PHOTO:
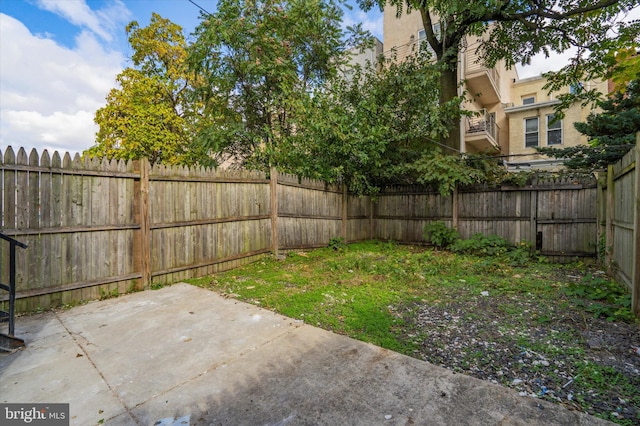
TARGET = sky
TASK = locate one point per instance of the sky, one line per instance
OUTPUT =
(60, 58)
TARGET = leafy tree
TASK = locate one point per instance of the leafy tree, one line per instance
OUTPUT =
(625, 66)
(611, 133)
(379, 127)
(515, 32)
(260, 59)
(152, 114)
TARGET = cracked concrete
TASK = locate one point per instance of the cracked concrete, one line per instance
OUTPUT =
(184, 355)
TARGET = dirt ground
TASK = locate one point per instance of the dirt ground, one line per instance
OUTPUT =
(544, 351)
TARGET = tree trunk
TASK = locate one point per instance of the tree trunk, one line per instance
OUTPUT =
(449, 91)
(446, 45)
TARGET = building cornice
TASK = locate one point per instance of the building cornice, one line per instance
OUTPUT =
(529, 107)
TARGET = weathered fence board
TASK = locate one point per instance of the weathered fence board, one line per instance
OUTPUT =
(622, 217)
(309, 212)
(94, 227)
(359, 218)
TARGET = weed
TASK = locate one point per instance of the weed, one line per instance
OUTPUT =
(74, 303)
(337, 243)
(482, 245)
(104, 294)
(602, 297)
(438, 234)
(495, 247)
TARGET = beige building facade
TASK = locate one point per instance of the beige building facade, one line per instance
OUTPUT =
(532, 123)
(511, 116)
(362, 58)
(487, 90)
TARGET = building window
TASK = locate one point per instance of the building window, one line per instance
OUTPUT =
(528, 100)
(576, 88)
(531, 132)
(422, 36)
(554, 131)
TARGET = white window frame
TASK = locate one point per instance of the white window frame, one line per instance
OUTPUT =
(558, 129)
(527, 133)
(528, 100)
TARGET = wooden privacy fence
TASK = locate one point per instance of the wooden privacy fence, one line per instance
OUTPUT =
(619, 210)
(557, 216)
(95, 227)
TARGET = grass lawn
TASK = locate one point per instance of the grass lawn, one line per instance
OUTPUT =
(558, 332)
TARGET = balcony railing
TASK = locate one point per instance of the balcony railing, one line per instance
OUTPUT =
(399, 53)
(481, 79)
(473, 68)
(482, 132)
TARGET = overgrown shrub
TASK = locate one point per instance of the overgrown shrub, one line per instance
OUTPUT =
(337, 243)
(601, 296)
(482, 245)
(438, 234)
(495, 246)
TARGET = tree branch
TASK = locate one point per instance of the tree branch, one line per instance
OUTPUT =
(540, 11)
(433, 41)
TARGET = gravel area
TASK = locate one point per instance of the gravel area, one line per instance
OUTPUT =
(542, 350)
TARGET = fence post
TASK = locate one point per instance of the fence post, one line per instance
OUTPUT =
(635, 279)
(142, 247)
(371, 222)
(609, 218)
(533, 219)
(454, 207)
(345, 198)
(273, 183)
(601, 216)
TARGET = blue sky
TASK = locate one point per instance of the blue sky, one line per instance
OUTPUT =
(60, 58)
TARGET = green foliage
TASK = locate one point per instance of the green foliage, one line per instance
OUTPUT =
(105, 294)
(337, 244)
(513, 32)
(494, 246)
(625, 63)
(364, 129)
(446, 171)
(151, 114)
(481, 245)
(601, 296)
(611, 133)
(438, 234)
(260, 61)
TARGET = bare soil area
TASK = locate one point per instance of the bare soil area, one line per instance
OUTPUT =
(542, 350)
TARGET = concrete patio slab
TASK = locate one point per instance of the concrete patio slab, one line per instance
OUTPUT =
(184, 355)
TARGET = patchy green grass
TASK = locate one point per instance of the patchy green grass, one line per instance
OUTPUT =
(558, 332)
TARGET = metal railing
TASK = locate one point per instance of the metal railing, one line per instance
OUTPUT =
(484, 123)
(10, 341)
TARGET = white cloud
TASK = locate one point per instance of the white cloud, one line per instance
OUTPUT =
(58, 131)
(101, 22)
(371, 21)
(540, 64)
(49, 93)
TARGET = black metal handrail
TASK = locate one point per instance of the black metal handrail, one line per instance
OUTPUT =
(11, 287)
